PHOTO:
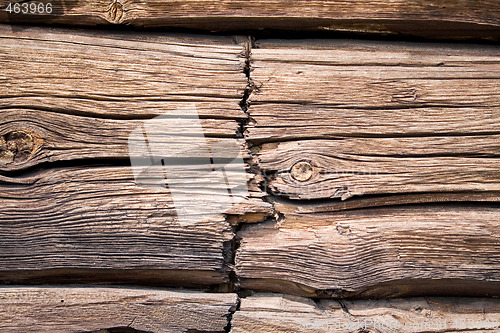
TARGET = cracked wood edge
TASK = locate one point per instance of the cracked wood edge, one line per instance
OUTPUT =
(455, 19)
(69, 94)
(379, 252)
(86, 309)
(66, 216)
(277, 313)
(127, 78)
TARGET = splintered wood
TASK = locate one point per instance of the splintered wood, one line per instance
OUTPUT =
(375, 124)
(70, 101)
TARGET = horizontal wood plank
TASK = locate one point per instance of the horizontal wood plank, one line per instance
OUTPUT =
(33, 137)
(286, 314)
(71, 206)
(349, 167)
(339, 119)
(454, 19)
(100, 218)
(380, 252)
(372, 89)
(75, 94)
(63, 309)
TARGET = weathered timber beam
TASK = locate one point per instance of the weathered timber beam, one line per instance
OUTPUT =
(288, 314)
(433, 18)
(68, 94)
(76, 202)
(72, 219)
(337, 119)
(380, 252)
(90, 309)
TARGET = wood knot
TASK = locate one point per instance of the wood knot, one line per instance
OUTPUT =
(302, 171)
(115, 11)
(16, 146)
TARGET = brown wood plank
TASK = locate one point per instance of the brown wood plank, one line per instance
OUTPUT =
(120, 74)
(288, 314)
(99, 218)
(453, 19)
(62, 309)
(70, 102)
(32, 137)
(68, 94)
(380, 252)
(338, 119)
(350, 167)
(370, 89)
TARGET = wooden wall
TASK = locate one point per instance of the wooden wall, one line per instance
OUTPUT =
(370, 142)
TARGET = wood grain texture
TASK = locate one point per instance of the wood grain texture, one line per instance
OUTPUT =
(372, 89)
(276, 313)
(380, 252)
(34, 137)
(432, 18)
(350, 167)
(63, 309)
(375, 118)
(99, 218)
(77, 94)
(70, 202)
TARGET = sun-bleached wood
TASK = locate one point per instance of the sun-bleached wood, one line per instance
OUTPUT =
(431, 18)
(89, 309)
(277, 313)
(372, 89)
(379, 252)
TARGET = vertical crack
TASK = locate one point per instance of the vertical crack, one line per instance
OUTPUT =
(244, 103)
(232, 311)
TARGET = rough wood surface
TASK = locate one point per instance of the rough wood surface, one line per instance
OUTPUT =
(70, 206)
(374, 117)
(98, 218)
(62, 309)
(276, 313)
(78, 95)
(350, 167)
(34, 137)
(431, 18)
(381, 252)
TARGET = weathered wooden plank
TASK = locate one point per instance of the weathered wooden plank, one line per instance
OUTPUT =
(349, 167)
(454, 19)
(92, 68)
(58, 309)
(280, 313)
(381, 252)
(77, 97)
(72, 219)
(68, 94)
(380, 118)
(372, 89)
(32, 137)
